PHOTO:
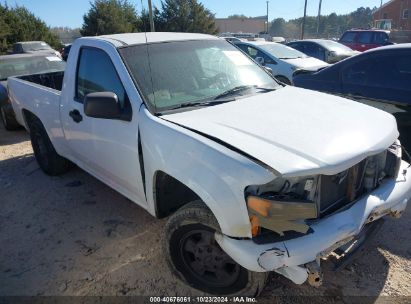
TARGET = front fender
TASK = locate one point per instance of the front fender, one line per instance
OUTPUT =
(215, 173)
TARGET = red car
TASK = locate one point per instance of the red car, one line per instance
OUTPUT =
(362, 40)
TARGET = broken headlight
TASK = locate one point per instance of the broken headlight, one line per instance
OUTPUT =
(282, 205)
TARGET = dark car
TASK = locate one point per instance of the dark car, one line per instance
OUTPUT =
(323, 49)
(19, 65)
(65, 52)
(379, 77)
(362, 40)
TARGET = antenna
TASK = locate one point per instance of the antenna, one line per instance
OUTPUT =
(148, 53)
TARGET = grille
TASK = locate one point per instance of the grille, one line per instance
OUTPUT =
(335, 189)
(339, 190)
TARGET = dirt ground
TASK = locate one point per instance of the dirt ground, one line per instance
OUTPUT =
(72, 235)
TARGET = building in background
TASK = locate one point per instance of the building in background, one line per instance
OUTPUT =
(394, 14)
(253, 25)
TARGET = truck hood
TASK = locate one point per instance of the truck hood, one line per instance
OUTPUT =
(295, 131)
(307, 63)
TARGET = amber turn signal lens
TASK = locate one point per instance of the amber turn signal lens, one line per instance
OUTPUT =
(255, 225)
(258, 205)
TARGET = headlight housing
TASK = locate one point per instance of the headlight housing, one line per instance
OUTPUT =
(282, 205)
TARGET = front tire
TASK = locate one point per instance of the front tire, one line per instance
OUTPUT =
(48, 159)
(196, 258)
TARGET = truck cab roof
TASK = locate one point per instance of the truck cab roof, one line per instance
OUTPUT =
(151, 37)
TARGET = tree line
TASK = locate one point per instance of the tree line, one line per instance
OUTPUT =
(330, 26)
(19, 24)
(120, 16)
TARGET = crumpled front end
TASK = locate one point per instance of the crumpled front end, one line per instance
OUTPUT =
(344, 218)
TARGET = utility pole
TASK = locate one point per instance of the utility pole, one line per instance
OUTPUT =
(267, 17)
(305, 15)
(319, 18)
(150, 12)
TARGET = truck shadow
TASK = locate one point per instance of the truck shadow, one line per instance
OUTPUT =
(72, 235)
(12, 137)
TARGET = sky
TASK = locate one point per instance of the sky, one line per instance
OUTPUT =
(70, 12)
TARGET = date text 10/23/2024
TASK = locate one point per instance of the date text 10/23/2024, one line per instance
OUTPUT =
(236, 299)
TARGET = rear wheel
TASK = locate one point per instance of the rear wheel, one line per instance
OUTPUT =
(195, 256)
(48, 159)
(8, 120)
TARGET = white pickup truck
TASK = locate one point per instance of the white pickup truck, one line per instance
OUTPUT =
(255, 176)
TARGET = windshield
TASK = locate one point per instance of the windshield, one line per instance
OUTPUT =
(35, 46)
(282, 51)
(19, 66)
(172, 74)
(335, 46)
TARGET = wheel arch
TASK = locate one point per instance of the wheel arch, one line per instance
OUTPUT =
(170, 194)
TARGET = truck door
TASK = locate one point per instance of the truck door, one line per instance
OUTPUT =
(107, 148)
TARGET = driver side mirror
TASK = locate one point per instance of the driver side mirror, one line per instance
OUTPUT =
(260, 60)
(102, 105)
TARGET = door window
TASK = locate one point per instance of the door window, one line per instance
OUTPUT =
(96, 73)
(348, 37)
(365, 37)
(298, 46)
(380, 38)
(392, 71)
(357, 72)
(254, 53)
(314, 50)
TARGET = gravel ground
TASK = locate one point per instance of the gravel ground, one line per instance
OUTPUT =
(72, 235)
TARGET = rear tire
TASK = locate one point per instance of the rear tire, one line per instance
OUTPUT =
(196, 258)
(48, 159)
(9, 123)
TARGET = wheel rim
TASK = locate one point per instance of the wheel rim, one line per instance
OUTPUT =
(206, 261)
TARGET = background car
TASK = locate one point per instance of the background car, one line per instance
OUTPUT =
(323, 49)
(19, 65)
(31, 47)
(232, 39)
(379, 77)
(362, 40)
(281, 59)
(65, 52)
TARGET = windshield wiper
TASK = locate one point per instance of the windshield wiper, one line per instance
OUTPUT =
(198, 104)
(234, 91)
(219, 99)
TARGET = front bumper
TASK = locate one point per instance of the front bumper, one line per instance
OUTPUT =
(328, 234)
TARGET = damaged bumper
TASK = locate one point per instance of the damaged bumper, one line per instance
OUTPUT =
(292, 258)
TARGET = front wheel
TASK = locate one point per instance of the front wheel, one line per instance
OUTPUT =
(196, 258)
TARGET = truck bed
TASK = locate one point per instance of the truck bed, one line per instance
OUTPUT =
(40, 95)
(53, 80)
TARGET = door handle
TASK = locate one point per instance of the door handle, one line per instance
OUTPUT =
(76, 116)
